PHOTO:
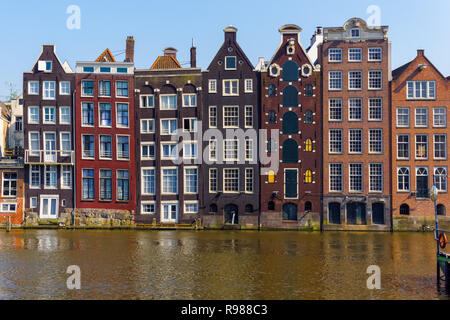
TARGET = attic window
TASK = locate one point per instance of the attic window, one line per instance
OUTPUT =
(355, 33)
(45, 66)
(230, 63)
(105, 69)
(122, 70)
(88, 69)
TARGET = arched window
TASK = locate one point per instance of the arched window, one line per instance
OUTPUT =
(290, 97)
(213, 208)
(248, 208)
(290, 71)
(404, 209)
(271, 206)
(290, 211)
(308, 145)
(290, 123)
(272, 90)
(308, 116)
(309, 90)
(308, 206)
(308, 176)
(290, 151)
(271, 177)
(272, 117)
(441, 210)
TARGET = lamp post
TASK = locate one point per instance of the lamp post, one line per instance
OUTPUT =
(433, 197)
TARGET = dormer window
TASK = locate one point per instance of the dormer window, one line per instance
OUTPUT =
(230, 63)
(45, 66)
(355, 33)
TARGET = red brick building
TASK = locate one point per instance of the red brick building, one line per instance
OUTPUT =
(12, 194)
(420, 101)
(105, 134)
(355, 62)
(290, 113)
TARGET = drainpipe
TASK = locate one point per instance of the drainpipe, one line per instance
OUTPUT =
(74, 175)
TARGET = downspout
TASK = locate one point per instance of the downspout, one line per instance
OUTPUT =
(74, 175)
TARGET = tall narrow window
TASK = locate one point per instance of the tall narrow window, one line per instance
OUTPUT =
(421, 146)
(87, 110)
(123, 147)
(190, 180)
(66, 177)
(212, 116)
(105, 115)
(122, 88)
(376, 177)
(356, 177)
(105, 184)
(122, 115)
(249, 180)
(403, 179)
(148, 181)
(212, 180)
(308, 176)
(123, 185)
(249, 116)
(308, 145)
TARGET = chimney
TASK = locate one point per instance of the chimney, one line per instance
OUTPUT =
(193, 56)
(230, 33)
(171, 52)
(319, 30)
(129, 51)
(420, 52)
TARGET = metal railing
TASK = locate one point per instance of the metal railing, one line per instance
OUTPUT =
(50, 157)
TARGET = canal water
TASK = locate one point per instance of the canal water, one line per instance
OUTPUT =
(216, 265)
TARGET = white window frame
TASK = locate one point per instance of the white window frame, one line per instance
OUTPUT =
(330, 176)
(161, 96)
(445, 146)
(435, 109)
(350, 88)
(148, 121)
(143, 203)
(332, 54)
(185, 185)
(148, 143)
(189, 95)
(374, 48)
(370, 101)
(380, 141)
(46, 91)
(29, 115)
(382, 177)
(332, 105)
(248, 86)
(169, 121)
(398, 125)
(63, 172)
(30, 92)
(189, 155)
(146, 96)
(360, 54)
(248, 115)
(398, 179)
(329, 141)
(186, 202)
(169, 143)
(117, 147)
(380, 72)
(54, 115)
(236, 108)
(350, 141)
(61, 91)
(143, 192)
(350, 187)
(427, 147)
(415, 117)
(210, 117)
(340, 79)
(216, 179)
(235, 62)
(231, 81)
(162, 180)
(350, 109)
(212, 86)
(224, 180)
(236, 149)
(409, 147)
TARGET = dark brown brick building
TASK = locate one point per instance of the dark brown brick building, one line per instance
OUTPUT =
(420, 102)
(168, 140)
(48, 135)
(230, 138)
(355, 62)
(291, 114)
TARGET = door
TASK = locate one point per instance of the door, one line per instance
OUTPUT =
(231, 214)
(289, 212)
(422, 182)
(49, 208)
(334, 212)
(356, 213)
(169, 212)
(378, 213)
(50, 147)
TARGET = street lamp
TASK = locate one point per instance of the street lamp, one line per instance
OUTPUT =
(433, 197)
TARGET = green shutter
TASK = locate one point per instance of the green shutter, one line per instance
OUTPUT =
(290, 123)
(290, 97)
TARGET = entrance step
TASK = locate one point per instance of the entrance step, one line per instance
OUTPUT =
(231, 227)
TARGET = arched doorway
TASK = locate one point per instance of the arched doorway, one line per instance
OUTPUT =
(231, 213)
(378, 213)
(290, 212)
(356, 213)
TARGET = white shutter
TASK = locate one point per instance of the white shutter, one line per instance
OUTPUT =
(41, 65)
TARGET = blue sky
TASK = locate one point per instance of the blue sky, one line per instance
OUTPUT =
(26, 25)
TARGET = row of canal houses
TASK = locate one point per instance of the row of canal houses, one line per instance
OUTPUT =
(325, 137)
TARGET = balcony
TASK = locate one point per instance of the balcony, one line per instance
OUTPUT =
(64, 157)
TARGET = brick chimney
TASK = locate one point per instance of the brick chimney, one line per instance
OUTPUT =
(129, 51)
(420, 52)
(230, 33)
(171, 52)
(193, 56)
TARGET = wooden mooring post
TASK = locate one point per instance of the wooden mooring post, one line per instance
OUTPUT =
(8, 224)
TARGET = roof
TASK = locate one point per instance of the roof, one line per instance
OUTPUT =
(397, 72)
(165, 62)
(5, 111)
(106, 56)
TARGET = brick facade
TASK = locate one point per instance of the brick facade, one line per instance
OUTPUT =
(427, 111)
(361, 206)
